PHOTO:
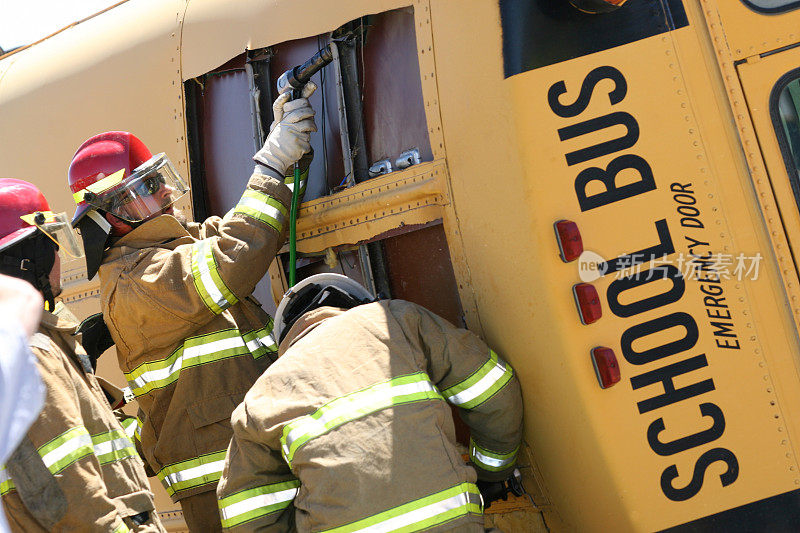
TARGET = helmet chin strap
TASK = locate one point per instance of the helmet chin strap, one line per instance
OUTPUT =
(32, 260)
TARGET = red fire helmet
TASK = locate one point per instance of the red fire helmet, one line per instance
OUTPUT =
(18, 198)
(101, 156)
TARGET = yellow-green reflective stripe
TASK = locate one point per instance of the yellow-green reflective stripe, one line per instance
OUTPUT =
(112, 446)
(289, 181)
(405, 389)
(65, 449)
(138, 435)
(131, 426)
(74, 444)
(254, 503)
(263, 208)
(489, 460)
(209, 284)
(193, 472)
(121, 528)
(438, 508)
(261, 342)
(482, 385)
(6, 483)
(194, 351)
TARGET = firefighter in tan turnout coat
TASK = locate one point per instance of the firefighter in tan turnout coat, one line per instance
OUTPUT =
(76, 469)
(351, 427)
(176, 296)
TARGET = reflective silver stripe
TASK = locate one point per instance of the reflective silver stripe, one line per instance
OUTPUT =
(128, 394)
(422, 514)
(491, 461)
(267, 341)
(131, 426)
(263, 207)
(264, 503)
(194, 472)
(112, 446)
(417, 515)
(302, 185)
(208, 282)
(260, 346)
(350, 407)
(67, 449)
(6, 483)
(487, 382)
(188, 354)
(205, 274)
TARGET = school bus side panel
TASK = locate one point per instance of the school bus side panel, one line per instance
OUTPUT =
(596, 448)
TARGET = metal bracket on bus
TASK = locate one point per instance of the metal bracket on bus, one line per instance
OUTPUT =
(408, 158)
(384, 166)
(515, 483)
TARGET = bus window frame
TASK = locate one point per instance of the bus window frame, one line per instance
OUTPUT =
(771, 10)
(777, 125)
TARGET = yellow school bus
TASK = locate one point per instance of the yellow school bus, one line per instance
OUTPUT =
(610, 199)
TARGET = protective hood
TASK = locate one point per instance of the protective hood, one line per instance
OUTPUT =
(95, 231)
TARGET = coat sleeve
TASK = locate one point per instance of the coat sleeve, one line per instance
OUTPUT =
(474, 378)
(55, 472)
(257, 489)
(132, 425)
(170, 292)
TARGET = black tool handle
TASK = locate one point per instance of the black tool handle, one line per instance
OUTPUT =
(297, 77)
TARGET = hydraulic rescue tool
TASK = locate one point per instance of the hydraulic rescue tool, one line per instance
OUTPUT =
(294, 80)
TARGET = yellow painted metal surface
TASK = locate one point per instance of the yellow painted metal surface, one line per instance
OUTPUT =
(674, 92)
(414, 196)
(758, 78)
(748, 33)
(499, 180)
(215, 31)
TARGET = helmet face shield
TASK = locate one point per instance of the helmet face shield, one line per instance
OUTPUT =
(150, 190)
(58, 228)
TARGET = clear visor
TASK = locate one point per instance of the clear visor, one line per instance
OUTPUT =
(149, 191)
(58, 228)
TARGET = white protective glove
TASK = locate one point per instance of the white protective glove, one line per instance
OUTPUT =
(290, 133)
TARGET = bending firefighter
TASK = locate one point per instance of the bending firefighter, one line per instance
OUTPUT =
(351, 428)
(76, 469)
(176, 296)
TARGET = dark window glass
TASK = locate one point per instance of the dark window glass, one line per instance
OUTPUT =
(772, 6)
(785, 111)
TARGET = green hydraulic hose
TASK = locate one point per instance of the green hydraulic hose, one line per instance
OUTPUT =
(293, 228)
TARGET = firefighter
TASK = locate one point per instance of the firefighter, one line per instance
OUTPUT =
(75, 470)
(177, 296)
(351, 428)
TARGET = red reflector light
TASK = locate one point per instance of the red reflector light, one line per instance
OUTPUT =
(588, 302)
(605, 366)
(570, 244)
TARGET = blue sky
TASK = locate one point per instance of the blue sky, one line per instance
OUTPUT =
(25, 21)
